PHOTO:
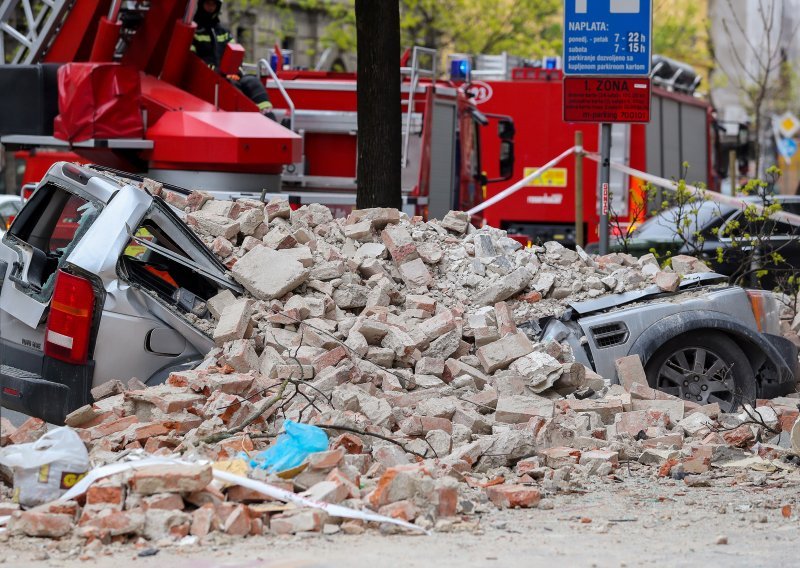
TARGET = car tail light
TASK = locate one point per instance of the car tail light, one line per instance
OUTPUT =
(766, 310)
(70, 323)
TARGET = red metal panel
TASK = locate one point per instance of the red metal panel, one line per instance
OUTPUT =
(232, 59)
(75, 37)
(330, 155)
(317, 95)
(222, 141)
(98, 100)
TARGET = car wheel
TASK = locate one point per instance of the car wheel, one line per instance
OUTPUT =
(704, 368)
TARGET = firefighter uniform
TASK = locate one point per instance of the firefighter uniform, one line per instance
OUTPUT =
(209, 43)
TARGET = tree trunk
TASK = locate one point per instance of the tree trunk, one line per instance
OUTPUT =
(379, 118)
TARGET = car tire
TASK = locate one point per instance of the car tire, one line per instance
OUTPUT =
(703, 367)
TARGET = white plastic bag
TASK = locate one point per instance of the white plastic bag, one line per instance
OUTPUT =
(46, 468)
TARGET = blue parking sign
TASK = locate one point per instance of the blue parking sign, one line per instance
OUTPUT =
(607, 37)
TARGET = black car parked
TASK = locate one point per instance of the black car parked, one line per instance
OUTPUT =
(722, 227)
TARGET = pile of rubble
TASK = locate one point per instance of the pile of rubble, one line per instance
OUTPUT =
(400, 338)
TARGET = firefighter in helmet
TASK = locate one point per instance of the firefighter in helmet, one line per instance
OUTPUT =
(209, 43)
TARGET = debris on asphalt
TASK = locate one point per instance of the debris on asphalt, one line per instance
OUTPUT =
(403, 342)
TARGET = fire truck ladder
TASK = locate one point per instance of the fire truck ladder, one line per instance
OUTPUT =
(416, 71)
(30, 24)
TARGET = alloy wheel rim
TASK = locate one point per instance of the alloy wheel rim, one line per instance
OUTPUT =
(698, 375)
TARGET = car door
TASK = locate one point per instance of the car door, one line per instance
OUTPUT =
(166, 275)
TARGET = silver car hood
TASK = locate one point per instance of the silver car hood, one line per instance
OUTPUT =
(616, 300)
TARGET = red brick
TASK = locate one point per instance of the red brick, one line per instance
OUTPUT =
(105, 494)
(352, 484)
(152, 445)
(740, 437)
(512, 496)
(6, 429)
(326, 460)
(256, 527)
(228, 449)
(421, 425)
(530, 297)
(61, 508)
(404, 510)
(629, 371)
(400, 244)
(396, 484)
(113, 523)
(608, 456)
(787, 418)
(170, 479)
(505, 319)
(108, 428)
(100, 418)
(204, 520)
(146, 431)
(35, 523)
(30, 431)
(446, 498)
(527, 465)
(164, 501)
(632, 423)
(181, 423)
(241, 494)
(329, 359)
(301, 521)
(209, 495)
(350, 442)
(7, 509)
(238, 522)
(560, 456)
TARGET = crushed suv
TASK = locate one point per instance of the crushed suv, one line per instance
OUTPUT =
(100, 280)
(705, 343)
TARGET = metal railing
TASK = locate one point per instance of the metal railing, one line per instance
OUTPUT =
(32, 32)
(264, 64)
(416, 71)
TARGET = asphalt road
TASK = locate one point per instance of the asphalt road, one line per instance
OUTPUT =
(16, 418)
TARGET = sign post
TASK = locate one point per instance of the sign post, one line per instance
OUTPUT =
(607, 60)
(605, 178)
(579, 237)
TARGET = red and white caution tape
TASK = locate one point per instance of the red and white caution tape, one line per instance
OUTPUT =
(735, 202)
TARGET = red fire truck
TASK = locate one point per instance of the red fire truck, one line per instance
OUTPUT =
(116, 83)
(680, 132)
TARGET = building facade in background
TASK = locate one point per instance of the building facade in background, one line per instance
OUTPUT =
(300, 27)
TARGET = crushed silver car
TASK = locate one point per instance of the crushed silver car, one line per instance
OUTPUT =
(705, 343)
(98, 278)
